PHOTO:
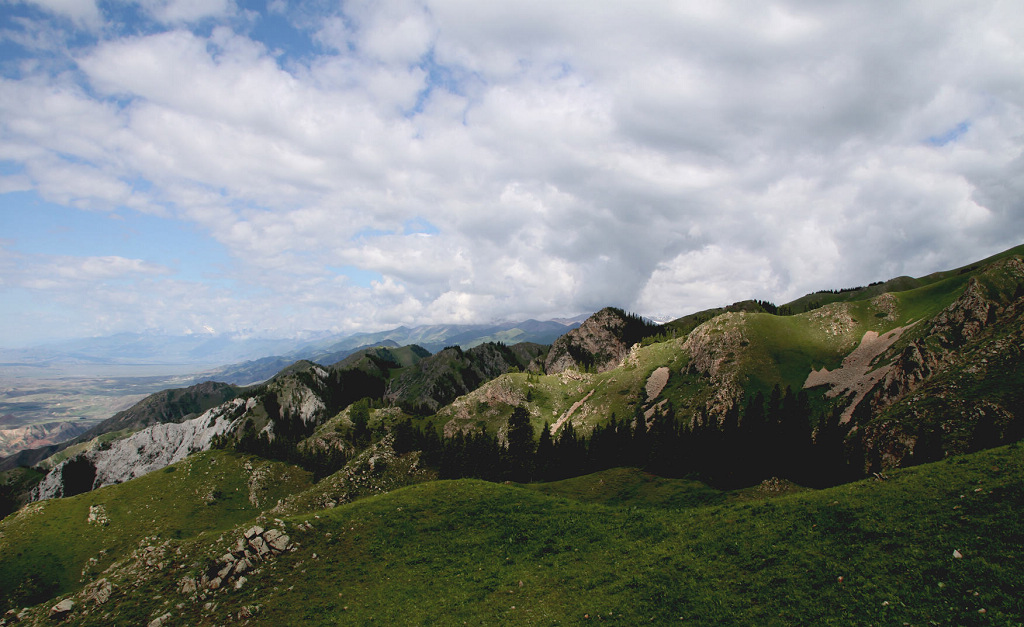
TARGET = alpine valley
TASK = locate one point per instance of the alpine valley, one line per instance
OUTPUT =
(850, 457)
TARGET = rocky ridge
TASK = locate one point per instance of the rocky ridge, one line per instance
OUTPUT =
(151, 449)
(923, 407)
(600, 343)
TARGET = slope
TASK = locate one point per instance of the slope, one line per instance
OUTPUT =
(934, 544)
(53, 546)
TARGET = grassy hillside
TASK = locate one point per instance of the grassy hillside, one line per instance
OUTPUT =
(53, 546)
(898, 284)
(935, 544)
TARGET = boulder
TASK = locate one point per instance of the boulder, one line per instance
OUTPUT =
(187, 585)
(62, 609)
(259, 545)
(277, 540)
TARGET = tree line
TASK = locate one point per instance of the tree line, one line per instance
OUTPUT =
(771, 436)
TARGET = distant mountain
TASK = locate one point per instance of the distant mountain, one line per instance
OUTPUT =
(439, 379)
(438, 336)
(32, 436)
(432, 338)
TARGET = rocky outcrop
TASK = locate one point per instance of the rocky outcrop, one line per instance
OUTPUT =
(140, 453)
(254, 546)
(713, 348)
(947, 333)
(941, 392)
(600, 343)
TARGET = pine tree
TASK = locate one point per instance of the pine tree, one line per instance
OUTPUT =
(520, 445)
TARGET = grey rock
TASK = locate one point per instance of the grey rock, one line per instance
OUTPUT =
(62, 609)
(187, 586)
(143, 452)
(277, 540)
(259, 545)
(160, 620)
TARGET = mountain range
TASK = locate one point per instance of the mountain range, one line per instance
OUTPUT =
(849, 457)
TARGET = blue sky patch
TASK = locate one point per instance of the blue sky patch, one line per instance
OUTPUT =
(951, 135)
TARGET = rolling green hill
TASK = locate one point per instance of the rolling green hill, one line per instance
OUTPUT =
(935, 544)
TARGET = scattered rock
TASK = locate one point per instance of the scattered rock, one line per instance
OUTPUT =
(957, 554)
(187, 586)
(98, 515)
(99, 591)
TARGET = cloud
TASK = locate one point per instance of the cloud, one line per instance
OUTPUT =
(660, 157)
(184, 11)
(63, 272)
(84, 13)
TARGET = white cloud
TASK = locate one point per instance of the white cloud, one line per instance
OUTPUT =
(184, 11)
(83, 13)
(660, 157)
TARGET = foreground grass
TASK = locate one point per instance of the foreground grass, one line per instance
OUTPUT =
(448, 552)
(52, 547)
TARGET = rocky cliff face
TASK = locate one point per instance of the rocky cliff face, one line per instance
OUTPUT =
(145, 451)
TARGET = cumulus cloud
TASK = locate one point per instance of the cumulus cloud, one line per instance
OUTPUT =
(660, 157)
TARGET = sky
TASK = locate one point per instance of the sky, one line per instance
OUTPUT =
(275, 168)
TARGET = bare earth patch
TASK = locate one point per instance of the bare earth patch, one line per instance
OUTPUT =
(856, 377)
(656, 383)
(568, 414)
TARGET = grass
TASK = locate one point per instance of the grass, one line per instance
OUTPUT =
(54, 543)
(622, 548)
(630, 487)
